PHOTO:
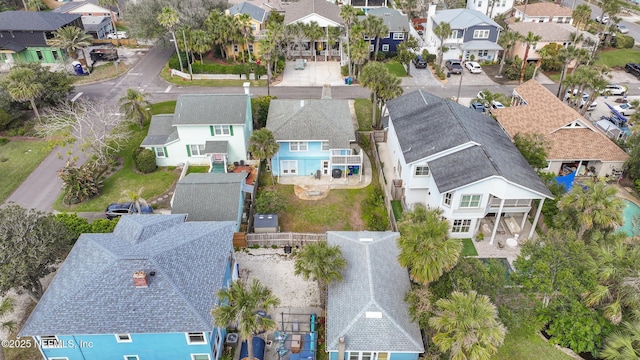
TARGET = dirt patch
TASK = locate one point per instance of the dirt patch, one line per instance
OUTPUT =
(492, 71)
(311, 192)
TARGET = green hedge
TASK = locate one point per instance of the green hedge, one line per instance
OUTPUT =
(197, 68)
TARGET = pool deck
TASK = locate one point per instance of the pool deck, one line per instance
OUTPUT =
(627, 194)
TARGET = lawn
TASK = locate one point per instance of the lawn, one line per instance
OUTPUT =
(396, 206)
(165, 107)
(396, 68)
(197, 169)
(618, 57)
(363, 113)
(522, 345)
(154, 184)
(210, 83)
(102, 72)
(468, 249)
(23, 156)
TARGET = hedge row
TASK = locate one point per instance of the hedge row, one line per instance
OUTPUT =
(197, 68)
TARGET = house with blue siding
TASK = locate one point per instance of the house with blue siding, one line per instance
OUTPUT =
(472, 34)
(367, 317)
(315, 137)
(205, 129)
(398, 29)
(143, 292)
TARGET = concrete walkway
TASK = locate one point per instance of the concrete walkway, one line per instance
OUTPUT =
(313, 74)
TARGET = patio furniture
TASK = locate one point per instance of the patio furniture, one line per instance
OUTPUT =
(296, 343)
(500, 243)
(299, 65)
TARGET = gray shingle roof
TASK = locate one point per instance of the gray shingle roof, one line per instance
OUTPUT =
(321, 120)
(93, 291)
(160, 130)
(373, 281)
(427, 125)
(209, 196)
(463, 18)
(255, 12)
(68, 6)
(395, 21)
(34, 20)
(208, 109)
(302, 8)
(216, 147)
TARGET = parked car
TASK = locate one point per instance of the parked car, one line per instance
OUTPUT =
(477, 106)
(632, 68)
(419, 63)
(625, 109)
(614, 90)
(118, 35)
(454, 66)
(127, 208)
(622, 29)
(592, 106)
(602, 20)
(497, 105)
(473, 67)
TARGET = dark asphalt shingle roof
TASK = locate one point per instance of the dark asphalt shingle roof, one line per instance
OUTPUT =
(208, 109)
(373, 281)
(93, 291)
(319, 120)
(34, 20)
(427, 125)
(160, 131)
(255, 12)
(302, 8)
(11, 45)
(209, 196)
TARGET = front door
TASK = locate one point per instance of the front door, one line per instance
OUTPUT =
(325, 167)
(289, 167)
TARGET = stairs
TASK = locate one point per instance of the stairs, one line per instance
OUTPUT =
(217, 168)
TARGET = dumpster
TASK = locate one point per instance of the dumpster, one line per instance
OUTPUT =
(258, 349)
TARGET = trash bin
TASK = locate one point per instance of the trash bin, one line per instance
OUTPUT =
(350, 81)
(356, 169)
(448, 74)
(346, 81)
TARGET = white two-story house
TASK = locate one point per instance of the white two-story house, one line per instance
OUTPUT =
(450, 157)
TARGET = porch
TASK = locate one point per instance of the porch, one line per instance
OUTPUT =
(217, 151)
(508, 227)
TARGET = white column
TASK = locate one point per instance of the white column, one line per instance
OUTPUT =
(535, 220)
(524, 219)
(495, 226)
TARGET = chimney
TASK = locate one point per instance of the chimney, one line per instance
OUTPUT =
(431, 12)
(140, 279)
(246, 88)
(341, 348)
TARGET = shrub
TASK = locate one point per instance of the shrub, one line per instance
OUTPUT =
(4, 141)
(270, 202)
(80, 183)
(624, 42)
(174, 63)
(145, 161)
(280, 64)
(374, 211)
(238, 69)
(344, 70)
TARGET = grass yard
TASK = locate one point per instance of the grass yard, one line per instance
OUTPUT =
(396, 68)
(23, 156)
(165, 74)
(197, 169)
(363, 113)
(468, 249)
(522, 345)
(618, 57)
(396, 206)
(102, 72)
(165, 107)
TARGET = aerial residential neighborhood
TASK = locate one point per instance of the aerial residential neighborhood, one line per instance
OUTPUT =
(319, 180)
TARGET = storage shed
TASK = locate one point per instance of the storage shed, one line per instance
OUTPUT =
(265, 223)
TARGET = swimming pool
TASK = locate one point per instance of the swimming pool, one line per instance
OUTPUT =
(630, 212)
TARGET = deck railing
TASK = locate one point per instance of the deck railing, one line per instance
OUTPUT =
(283, 239)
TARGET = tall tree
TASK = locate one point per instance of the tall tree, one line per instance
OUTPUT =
(333, 39)
(29, 252)
(263, 145)
(534, 147)
(135, 105)
(359, 54)
(409, 7)
(243, 24)
(407, 52)
(348, 14)
(6, 308)
(467, 326)
(238, 305)
(567, 55)
(320, 262)
(425, 247)
(442, 31)
(581, 15)
(313, 32)
(71, 39)
(22, 86)
(530, 41)
(169, 19)
(200, 42)
(507, 40)
(296, 33)
(375, 28)
(377, 77)
(108, 4)
(623, 344)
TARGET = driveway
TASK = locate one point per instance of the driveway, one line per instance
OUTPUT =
(314, 74)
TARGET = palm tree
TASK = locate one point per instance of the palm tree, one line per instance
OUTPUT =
(22, 86)
(508, 40)
(409, 7)
(593, 206)
(216, 28)
(442, 31)
(6, 308)
(134, 106)
(566, 56)
(360, 54)
(135, 198)
(268, 51)
(374, 27)
(530, 40)
(243, 24)
(320, 262)
(108, 4)
(295, 32)
(623, 344)
(348, 14)
(239, 306)
(377, 77)
(200, 42)
(36, 5)
(313, 32)
(71, 39)
(169, 19)
(263, 145)
(467, 326)
(333, 39)
(544, 54)
(581, 15)
(425, 247)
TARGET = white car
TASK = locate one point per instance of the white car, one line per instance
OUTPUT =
(625, 109)
(496, 105)
(592, 106)
(603, 20)
(622, 29)
(614, 90)
(118, 35)
(473, 67)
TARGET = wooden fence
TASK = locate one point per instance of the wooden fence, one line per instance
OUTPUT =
(283, 239)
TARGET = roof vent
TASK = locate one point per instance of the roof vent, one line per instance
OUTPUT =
(365, 239)
(373, 314)
(140, 279)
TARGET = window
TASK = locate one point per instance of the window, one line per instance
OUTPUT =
(123, 338)
(131, 357)
(55, 55)
(365, 355)
(453, 35)
(447, 199)
(481, 34)
(399, 168)
(160, 152)
(398, 36)
(470, 201)
(200, 357)
(222, 130)
(325, 146)
(483, 53)
(39, 54)
(250, 47)
(366, 37)
(235, 47)
(371, 48)
(196, 338)
(461, 226)
(50, 342)
(385, 47)
(480, 3)
(422, 171)
(195, 150)
(298, 146)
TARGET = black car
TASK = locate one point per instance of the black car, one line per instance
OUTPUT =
(419, 63)
(454, 66)
(118, 209)
(632, 69)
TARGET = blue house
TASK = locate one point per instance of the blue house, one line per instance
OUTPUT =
(314, 136)
(367, 317)
(212, 197)
(398, 29)
(143, 292)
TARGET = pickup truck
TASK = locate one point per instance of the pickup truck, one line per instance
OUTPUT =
(454, 66)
